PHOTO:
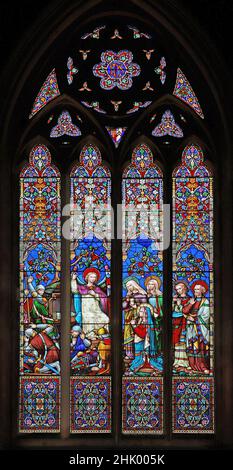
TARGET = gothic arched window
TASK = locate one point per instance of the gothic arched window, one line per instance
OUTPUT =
(117, 74)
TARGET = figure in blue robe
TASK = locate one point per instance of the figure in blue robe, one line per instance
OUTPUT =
(144, 340)
(79, 344)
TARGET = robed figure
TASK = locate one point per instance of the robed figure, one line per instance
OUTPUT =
(90, 302)
(197, 328)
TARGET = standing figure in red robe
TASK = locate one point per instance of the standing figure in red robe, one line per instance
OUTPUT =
(180, 300)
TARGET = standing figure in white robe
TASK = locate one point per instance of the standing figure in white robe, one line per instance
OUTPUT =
(90, 303)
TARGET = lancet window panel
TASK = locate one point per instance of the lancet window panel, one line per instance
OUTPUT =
(193, 300)
(40, 313)
(142, 292)
(90, 269)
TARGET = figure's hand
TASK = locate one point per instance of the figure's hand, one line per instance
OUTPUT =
(133, 322)
(155, 312)
(190, 318)
(192, 301)
(26, 292)
(176, 300)
(30, 279)
(74, 276)
(82, 336)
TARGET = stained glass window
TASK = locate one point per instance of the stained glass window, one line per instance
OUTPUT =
(142, 269)
(168, 126)
(192, 313)
(48, 92)
(116, 134)
(90, 255)
(110, 87)
(138, 34)
(161, 70)
(71, 70)
(65, 126)
(116, 69)
(40, 248)
(184, 92)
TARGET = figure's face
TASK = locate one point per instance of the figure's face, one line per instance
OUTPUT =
(152, 285)
(142, 312)
(40, 291)
(180, 289)
(198, 291)
(130, 287)
(74, 334)
(92, 278)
